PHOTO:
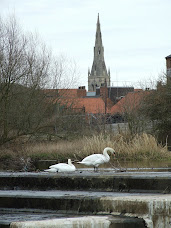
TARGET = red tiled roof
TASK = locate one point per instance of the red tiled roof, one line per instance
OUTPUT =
(67, 92)
(138, 90)
(128, 103)
(91, 105)
(70, 98)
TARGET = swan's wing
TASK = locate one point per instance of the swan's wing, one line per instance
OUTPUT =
(63, 167)
(51, 170)
(67, 169)
(56, 166)
(93, 159)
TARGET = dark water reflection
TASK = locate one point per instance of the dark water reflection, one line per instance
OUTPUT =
(144, 164)
(137, 166)
(155, 166)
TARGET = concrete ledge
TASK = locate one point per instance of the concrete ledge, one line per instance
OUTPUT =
(155, 209)
(88, 221)
(20, 220)
(116, 182)
(109, 193)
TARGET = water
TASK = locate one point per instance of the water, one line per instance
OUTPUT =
(89, 222)
(158, 206)
(153, 208)
(138, 166)
(145, 166)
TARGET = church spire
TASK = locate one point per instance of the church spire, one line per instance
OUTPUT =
(98, 73)
(98, 22)
(98, 40)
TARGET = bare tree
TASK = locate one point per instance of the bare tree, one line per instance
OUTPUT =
(24, 71)
(29, 81)
(64, 73)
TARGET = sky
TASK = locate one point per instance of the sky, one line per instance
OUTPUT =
(136, 34)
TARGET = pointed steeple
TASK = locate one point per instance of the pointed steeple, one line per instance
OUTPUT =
(98, 21)
(98, 73)
(98, 40)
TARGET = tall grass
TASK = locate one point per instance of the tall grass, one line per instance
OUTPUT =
(140, 147)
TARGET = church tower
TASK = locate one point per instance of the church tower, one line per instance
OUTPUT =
(98, 76)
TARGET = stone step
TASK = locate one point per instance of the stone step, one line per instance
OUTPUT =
(75, 202)
(141, 194)
(27, 218)
(153, 208)
(150, 182)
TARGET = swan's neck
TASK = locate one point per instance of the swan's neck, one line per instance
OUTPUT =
(69, 162)
(105, 153)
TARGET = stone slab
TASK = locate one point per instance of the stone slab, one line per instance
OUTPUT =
(155, 209)
(159, 182)
(23, 219)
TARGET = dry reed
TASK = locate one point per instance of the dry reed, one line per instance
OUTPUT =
(140, 147)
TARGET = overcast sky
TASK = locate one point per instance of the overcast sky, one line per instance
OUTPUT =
(136, 34)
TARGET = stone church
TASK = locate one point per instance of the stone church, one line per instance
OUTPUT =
(98, 76)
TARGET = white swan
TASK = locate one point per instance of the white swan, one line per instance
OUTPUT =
(97, 159)
(61, 167)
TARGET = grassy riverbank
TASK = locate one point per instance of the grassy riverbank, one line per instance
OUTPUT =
(138, 148)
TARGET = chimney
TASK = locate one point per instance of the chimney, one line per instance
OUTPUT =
(81, 91)
(104, 92)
